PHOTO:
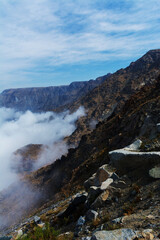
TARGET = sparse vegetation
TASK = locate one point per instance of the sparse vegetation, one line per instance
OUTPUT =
(113, 226)
(46, 233)
(128, 209)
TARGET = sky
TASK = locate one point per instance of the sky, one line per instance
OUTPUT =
(56, 42)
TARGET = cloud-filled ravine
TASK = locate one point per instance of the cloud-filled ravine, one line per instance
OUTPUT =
(19, 129)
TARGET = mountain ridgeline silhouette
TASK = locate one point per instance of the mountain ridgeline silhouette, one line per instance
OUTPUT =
(46, 98)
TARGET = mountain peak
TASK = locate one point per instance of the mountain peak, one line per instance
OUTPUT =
(149, 60)
(153, 51)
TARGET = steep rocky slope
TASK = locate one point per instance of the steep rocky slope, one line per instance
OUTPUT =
(121, 85)
(137, 119)
(115, 90)
(46, 98)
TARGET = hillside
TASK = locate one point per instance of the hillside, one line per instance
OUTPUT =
(66, 176)
(141, 117)
(46, 98)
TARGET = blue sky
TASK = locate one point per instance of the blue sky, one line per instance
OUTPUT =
(55, 42)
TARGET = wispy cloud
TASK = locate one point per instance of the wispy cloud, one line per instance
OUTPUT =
(45, 33)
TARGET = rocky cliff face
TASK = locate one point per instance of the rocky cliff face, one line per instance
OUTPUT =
(46, 98)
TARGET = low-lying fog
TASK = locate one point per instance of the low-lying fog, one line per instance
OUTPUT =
(18, 129)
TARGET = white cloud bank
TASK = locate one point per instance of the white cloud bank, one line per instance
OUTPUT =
(19, 129)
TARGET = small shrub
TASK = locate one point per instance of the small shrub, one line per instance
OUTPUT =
(105, 218)
(113, 226)
(150, 194)
(48, 233)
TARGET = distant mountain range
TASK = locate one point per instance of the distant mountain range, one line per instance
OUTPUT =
(47, 98)
(100, 97)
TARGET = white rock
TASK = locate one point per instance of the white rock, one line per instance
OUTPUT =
(118, 220)
(106, 184)
(37, 219)
(155, 172)
(119, 234)
(19, 234)
(134, 146)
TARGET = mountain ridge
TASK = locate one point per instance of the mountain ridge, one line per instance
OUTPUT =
(111, 95)
(46, 98)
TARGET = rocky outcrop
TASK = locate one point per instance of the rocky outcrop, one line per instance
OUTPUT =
(97, 184)
(99, 189)
(78, 200)
(129, 158)
(100, 176)
(119, 234)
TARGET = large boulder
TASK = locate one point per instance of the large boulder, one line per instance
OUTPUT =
(129, 158)
(123, 234)
(76, 202)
